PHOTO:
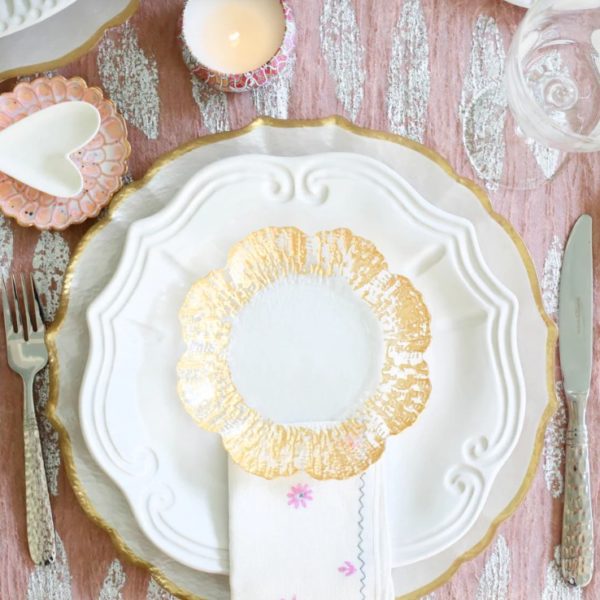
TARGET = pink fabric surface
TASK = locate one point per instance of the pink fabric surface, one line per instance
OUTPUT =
(519, 564)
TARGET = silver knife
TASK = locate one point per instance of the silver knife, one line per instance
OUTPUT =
(575, 321)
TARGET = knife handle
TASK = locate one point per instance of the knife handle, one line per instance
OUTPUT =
(577, 551)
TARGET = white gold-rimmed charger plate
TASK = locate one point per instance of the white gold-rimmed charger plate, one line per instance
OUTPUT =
(174, 474)
(54, 32)
(94, 265)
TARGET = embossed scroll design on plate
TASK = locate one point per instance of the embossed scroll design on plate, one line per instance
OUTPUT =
(269, 449)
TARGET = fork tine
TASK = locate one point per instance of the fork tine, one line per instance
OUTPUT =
(8, 322)
(17, 309)
(38, 305)
(28, 319)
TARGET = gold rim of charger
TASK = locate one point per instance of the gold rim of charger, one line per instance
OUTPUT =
(342, 123)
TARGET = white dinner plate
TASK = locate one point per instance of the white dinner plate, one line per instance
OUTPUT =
(174, 473)
(94, 266)
(64, 30)
(15, 16)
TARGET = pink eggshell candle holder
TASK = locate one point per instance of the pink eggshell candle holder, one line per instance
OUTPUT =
(249, 80)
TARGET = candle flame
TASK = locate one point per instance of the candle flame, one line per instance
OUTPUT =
(234, 38)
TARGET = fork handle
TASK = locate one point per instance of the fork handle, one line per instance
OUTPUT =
(40, 526)
(577, 548)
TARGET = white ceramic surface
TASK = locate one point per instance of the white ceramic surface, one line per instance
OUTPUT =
(169, 470)
(15, 16)
(36, 150)
(523, 3)
(334, 362)
(96, 265)
(58, 37)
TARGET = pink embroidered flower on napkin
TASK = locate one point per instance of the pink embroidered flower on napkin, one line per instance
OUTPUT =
(299, 495)
(347, 568)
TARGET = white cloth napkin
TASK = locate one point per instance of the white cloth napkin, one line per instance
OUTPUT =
(297, 538)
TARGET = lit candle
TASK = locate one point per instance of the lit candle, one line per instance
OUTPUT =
(238, 44)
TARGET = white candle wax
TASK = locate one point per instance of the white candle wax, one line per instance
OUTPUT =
(233, 36)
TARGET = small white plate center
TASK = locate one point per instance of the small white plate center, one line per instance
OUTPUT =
(306, 349)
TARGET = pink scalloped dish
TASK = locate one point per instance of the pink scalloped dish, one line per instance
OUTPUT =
(103, 162)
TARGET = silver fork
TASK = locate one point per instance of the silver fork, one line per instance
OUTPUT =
(27, 356)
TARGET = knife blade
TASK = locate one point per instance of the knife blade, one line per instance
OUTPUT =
(575, 319)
